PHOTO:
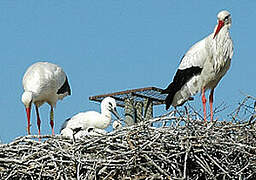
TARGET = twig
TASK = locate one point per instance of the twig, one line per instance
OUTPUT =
(182, 149)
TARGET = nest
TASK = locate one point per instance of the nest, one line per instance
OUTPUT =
(178, 146)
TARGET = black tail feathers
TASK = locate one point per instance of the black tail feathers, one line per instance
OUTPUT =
(168, 101)
(170, 90)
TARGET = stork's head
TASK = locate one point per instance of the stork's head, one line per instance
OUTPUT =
(109, 103)
(27, 98)
(67, 132)
(224, 19)
(117, 124)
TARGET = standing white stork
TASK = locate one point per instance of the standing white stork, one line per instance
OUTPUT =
(203, 66)
(91, 119)
(44, 82)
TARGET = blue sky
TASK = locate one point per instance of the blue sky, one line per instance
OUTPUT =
(108, 46)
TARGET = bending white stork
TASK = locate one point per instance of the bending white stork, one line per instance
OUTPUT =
(203, 66)
(44, 82)
(91, 119)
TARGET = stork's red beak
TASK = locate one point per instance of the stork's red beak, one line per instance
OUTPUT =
(28, 116)
(220, 25)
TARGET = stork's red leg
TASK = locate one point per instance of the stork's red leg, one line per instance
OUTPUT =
(38, 120)
(51, 120)
(211, 101)
(204, 103)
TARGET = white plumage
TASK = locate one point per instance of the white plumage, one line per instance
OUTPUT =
(90, 131)
(203, 66)
(44, 82)
(91, 119)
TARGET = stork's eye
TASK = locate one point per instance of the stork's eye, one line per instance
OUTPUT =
(226, 18)
(111, 104)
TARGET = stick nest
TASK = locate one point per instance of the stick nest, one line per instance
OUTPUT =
(178, 146)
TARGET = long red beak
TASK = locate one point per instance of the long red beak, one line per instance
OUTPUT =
(220, 25)
(28, 116)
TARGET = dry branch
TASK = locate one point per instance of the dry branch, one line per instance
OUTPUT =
(185, 149)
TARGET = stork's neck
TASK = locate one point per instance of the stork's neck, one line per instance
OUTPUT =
(105, 112)
(223, 33)
(222, 39)
(36, 99)
(106, 117)
(221, 48)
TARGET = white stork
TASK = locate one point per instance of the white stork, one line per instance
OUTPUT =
(203, 66)
(91, 119)
(44, 82)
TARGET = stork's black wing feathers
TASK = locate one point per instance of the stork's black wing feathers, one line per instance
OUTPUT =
(181, 77)
(65, 88)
